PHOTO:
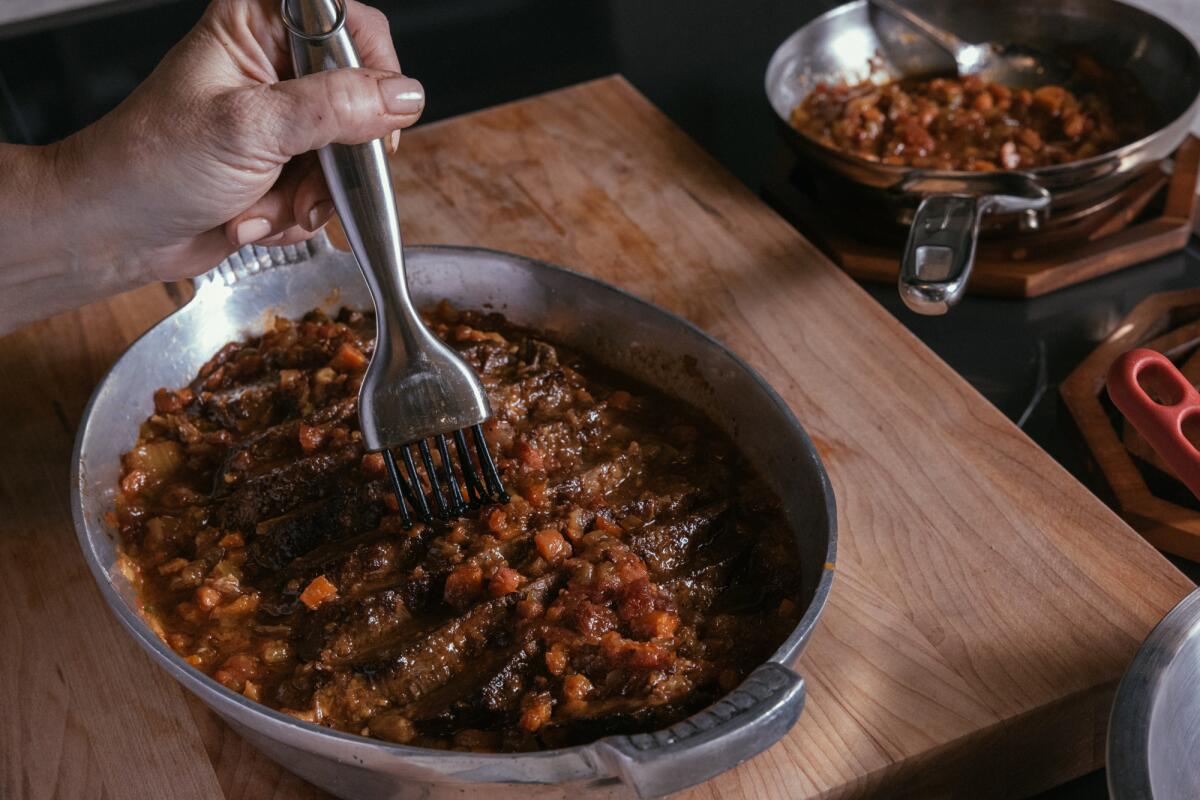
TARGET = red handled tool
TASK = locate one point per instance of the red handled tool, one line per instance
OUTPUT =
(1163, 406)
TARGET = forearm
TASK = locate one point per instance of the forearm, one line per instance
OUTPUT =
(57, 250)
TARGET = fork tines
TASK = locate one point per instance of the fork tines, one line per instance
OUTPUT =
(479, 475)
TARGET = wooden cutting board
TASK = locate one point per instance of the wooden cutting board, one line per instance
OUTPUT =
(985, 604)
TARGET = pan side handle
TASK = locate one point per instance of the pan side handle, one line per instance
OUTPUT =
(941, 244)
(741, 725)
(253, 259)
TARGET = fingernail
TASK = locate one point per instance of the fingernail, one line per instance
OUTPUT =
(394, 142)
(319, 214)
(402, 95)
(251, 230)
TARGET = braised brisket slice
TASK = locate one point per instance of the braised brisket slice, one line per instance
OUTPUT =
(284, 488)
(346, 512)
(666, 546)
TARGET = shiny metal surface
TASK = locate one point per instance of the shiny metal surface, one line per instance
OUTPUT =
(241, 296)
(1154, 729)
(855, 42)
(992, 61)
(415, 386)
(940, 252)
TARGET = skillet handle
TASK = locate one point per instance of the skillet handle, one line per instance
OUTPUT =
(940, 252)
(1161, 424)
(739, 726)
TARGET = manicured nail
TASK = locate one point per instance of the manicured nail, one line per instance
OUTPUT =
(402, 95)
(393, 142)
(319, 214)
(251, 230)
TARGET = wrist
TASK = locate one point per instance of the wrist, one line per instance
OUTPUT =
(82, 200)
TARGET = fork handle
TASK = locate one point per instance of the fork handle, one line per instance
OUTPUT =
(359, 179)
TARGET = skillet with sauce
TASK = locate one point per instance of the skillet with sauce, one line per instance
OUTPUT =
(640, 570)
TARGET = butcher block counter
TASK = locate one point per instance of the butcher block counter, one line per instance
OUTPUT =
(985, 603)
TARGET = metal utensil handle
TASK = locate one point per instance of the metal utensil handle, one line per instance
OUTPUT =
(1159, 421)
(358, 176)
(939, 36)
(739, 726)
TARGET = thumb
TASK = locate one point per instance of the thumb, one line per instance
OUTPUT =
(346, 106)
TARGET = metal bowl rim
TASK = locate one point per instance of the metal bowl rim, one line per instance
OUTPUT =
(180, 669)
(1128, 741)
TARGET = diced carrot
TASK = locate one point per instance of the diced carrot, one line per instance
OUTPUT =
(556, 659)
(655, 625)
(236, 670)
(506, 581)
(576, 687)
(529, 455)
(317, 592)
(463, 585)
(529, 609)
(537, 494)
(348, 358)
(497, 522)
(551, 545)
(536, 711)
(605, 524)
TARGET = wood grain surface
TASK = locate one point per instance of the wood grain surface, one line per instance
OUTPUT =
(985, 603)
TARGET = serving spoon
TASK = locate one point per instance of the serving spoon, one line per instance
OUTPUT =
(1016, 66)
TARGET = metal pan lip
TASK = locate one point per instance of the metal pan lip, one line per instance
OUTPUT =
(203, 685)
(898, 174)
(1129, 725)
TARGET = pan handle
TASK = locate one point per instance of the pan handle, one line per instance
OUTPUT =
(940, 251)
(1159, 420)
(741, 725)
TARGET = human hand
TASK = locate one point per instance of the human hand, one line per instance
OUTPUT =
(213, 150)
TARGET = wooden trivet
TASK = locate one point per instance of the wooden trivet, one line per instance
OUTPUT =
(1151, 217)
(1142, 488)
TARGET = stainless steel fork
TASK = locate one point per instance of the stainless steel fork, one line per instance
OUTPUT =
(416, 390)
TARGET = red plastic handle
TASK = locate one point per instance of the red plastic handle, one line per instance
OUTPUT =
(1160, 422)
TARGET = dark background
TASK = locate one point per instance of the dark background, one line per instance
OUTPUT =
(700, 61)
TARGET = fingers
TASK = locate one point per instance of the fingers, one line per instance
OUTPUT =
(311, 204)
(299, 199)
(347, 106)
(372, 36)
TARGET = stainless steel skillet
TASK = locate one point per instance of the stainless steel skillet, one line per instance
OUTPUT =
(242, 294)
(854, 43)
